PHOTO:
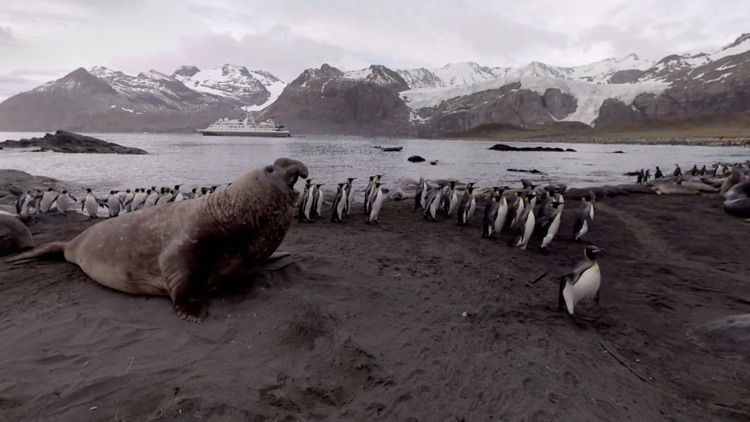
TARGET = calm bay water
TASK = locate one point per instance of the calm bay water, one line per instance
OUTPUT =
(195, 160)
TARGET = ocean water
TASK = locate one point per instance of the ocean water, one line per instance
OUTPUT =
(195, 160)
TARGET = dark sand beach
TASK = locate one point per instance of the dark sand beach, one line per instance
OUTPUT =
(407, 320)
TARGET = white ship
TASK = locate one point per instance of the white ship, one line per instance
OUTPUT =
(246, 127)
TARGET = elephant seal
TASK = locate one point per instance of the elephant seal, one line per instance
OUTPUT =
(674, 189)
(184, 249)
(633, 188)
(737, 201)
(14, 235)
(734, 178)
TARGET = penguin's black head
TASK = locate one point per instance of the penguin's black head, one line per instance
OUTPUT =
(49, 189)
(350, 179)
(555, 204)
(177, 187)
(127, 190)
(88, 190)
(372, 178)
(592, 251)
(111, 192)
(195, 190)
(377, 185)
(64, 191)
(453, 184)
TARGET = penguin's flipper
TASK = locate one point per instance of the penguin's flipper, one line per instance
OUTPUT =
(596, 298)
(561, 299)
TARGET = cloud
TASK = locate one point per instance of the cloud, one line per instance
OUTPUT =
(6, 36)
(287, 36)
(277, 50)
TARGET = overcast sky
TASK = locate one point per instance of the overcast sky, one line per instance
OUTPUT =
(41, 40)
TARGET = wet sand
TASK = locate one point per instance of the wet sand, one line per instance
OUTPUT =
(367, 322)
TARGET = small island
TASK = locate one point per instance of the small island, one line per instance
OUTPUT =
(72, 143)
(503, 147)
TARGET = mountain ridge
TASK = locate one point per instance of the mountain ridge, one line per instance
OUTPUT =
(378, 100)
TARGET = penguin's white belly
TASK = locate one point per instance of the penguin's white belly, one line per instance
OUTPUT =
(502, 214)
(586, 287)
(528, 230)
(584, 229)
(434, 205)
(92, 207)
(472, 208)
(308, 205)
(63, 203)
(376, 205)
(519, 211)
(454, 203)
(552, 231)
(341, 206)
(591, 212)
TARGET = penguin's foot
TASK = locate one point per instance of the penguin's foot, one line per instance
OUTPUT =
(367, 222)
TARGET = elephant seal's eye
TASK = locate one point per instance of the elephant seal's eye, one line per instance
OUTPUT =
(269, 169)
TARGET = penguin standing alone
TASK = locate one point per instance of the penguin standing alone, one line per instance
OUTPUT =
(582, 282)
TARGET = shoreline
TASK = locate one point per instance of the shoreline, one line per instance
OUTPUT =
(613, 139)
(405, 319)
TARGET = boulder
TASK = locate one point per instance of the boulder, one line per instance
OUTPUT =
(69, 142)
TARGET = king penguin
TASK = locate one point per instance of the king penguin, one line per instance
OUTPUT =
(467, 203)
(550, 223)
(490, 214)
(339, 204)
(63, 202)
(91, 204)
(584, 218)
(582, 282)
(128, 201)
(305, 204)
(48, 198)
(525, 223)
(349, 195)
(433, 203)
(420, 197)
(376, 201)
(114, 203)
(317, 201)
(502, 211)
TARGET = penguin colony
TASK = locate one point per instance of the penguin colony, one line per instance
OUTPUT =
(116, 202)
(523, 213)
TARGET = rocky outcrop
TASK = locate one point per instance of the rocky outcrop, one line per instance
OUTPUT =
(557, 104)
(15, 182)
(68, 142)
(503, 147)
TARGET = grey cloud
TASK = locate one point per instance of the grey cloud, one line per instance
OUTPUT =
(11, 84)
(6, 36)
(494, 35)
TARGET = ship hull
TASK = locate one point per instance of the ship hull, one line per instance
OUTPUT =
(279, 134)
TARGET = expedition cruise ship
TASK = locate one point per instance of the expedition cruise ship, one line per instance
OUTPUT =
(246, 127)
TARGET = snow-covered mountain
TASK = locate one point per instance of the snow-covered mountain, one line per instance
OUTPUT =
(106, 99)
(255, 88)
(381, 101)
